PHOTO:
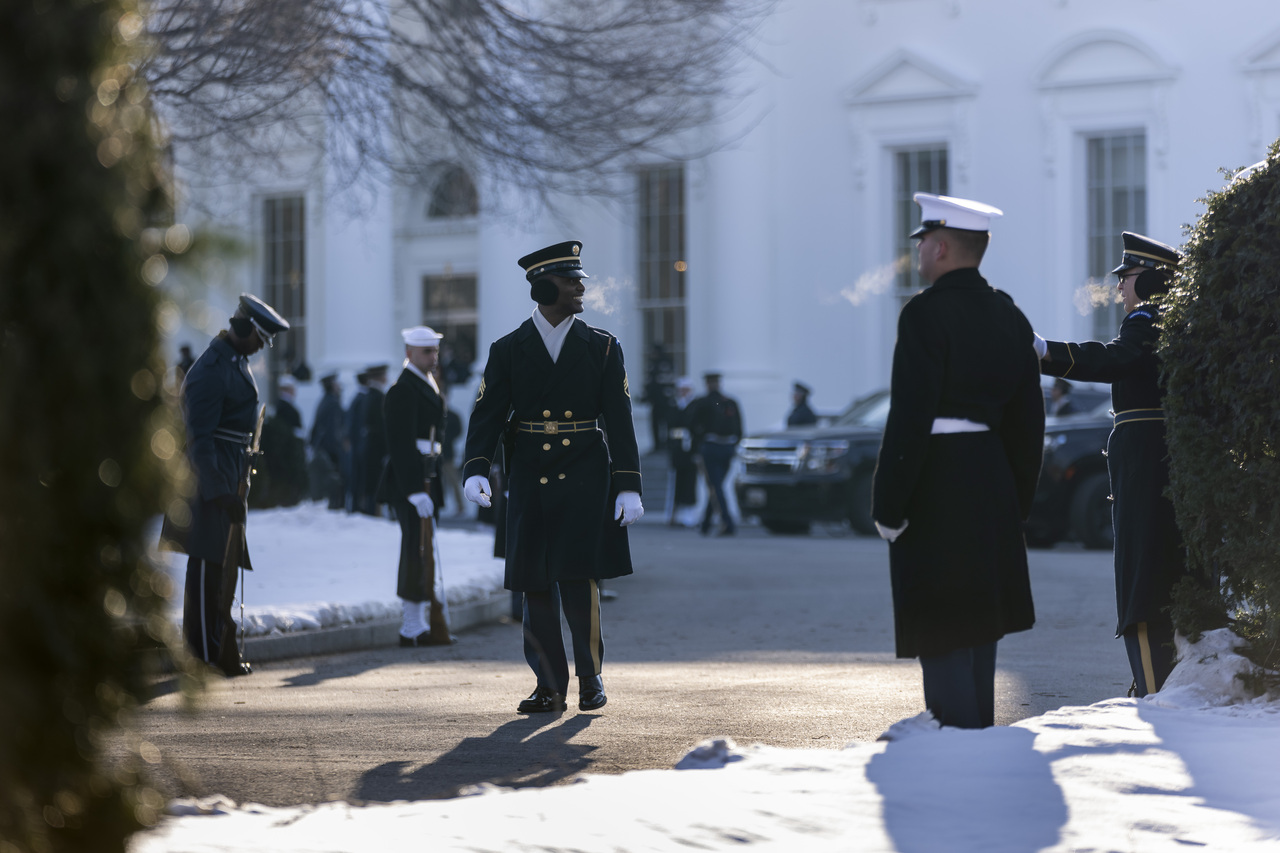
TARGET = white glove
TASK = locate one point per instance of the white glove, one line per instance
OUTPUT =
(891, 533)
(476, 490)
(628, 508)
(423, 504)
(428, 448)
(1042, 348)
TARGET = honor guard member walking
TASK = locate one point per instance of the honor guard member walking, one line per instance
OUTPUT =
(555, 390)
(413, 411)
(716, 423)
(958, 466)
(220, 409)
(1149, 559)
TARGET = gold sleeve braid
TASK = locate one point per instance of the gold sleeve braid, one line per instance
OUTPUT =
(480, 390)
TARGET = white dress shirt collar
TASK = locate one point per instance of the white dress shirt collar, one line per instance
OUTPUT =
(552, 336)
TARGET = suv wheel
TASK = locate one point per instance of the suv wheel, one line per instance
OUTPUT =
(1091, 512)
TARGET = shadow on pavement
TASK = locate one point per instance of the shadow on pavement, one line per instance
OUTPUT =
(531, 752)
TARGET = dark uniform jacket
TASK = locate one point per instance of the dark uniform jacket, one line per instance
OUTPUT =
(1149, 559)
(412, 410)
(328, 430)
(375, 434)
(959, 571)
(801, 415)
(220, 398)
(715, 415)
(562, 485)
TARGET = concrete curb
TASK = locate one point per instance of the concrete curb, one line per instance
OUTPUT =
(367, 635)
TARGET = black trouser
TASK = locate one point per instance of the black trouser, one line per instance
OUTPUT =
(544, 643)
(716, 459)
(960, 686)
(1151, 655)
(206, 611)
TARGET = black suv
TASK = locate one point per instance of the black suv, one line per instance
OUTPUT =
(794, 477)
(1073, 499)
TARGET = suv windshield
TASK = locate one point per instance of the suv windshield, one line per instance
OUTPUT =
(871, 411)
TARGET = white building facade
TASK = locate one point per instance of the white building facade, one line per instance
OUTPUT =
(784, 255)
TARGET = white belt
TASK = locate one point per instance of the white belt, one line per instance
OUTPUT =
(944, 425)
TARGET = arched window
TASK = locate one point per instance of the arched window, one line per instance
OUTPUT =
(454, 195)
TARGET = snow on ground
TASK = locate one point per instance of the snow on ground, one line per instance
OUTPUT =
(314, 568)
(1194, 767)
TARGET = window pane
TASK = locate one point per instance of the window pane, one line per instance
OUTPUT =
(661, 263)
(917, 170)
(1116, 174)
(449, 306)
(284, 279)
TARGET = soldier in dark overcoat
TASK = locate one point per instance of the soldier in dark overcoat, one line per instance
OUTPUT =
(327, 444)
(413, 412)
(374, 438)
(958, 466)
(1149, 557)
(555, 391)
(220, 411)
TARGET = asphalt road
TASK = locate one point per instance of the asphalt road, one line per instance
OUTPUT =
(779, 640)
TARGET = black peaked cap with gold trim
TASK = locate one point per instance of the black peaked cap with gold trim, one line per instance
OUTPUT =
(1140, 251)
(563, 259)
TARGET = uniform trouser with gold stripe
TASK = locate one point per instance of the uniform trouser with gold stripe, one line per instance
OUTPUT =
(544, 643)
(1151, 653)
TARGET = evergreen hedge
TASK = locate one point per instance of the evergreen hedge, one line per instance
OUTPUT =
(1221, 352)
(88, 440)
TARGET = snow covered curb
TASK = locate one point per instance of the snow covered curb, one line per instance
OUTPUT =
(311, 564)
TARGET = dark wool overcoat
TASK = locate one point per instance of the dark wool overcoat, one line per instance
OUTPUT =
(1149, 558)
(959, 571)
(561, 486)
(219, 394)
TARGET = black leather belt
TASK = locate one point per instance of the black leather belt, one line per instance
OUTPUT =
(245, 438)
(556, 427)
(1131, 415)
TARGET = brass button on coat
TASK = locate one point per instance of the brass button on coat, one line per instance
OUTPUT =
(568, 415)
(561, 477)
(546, 413)
(565, 442)
(543, 481)
(546, 447)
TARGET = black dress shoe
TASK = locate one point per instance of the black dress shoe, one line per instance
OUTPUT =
(541, 701)
(233, 668)
(591, 693)
(424, 639)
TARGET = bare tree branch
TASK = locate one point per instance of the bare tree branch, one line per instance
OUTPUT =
(553, 96)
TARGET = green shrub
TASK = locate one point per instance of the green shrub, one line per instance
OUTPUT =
(88, 442)
(1221, 351)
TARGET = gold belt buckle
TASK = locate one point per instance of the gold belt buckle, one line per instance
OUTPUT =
(551, 427)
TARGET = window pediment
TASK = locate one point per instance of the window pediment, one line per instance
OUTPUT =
(1103, 58)
(905, 76)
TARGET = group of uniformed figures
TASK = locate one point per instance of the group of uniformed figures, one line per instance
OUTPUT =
(955, 477)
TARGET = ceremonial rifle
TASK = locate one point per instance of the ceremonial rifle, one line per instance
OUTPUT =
(437, 617)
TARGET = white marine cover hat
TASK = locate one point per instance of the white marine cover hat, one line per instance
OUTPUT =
(942, 211)
(421, 336)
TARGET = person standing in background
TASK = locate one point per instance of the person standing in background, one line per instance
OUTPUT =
(800, 414)
(327, 444)
(716, 424)
(682, 492)
(410, 483)
(373, 439)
